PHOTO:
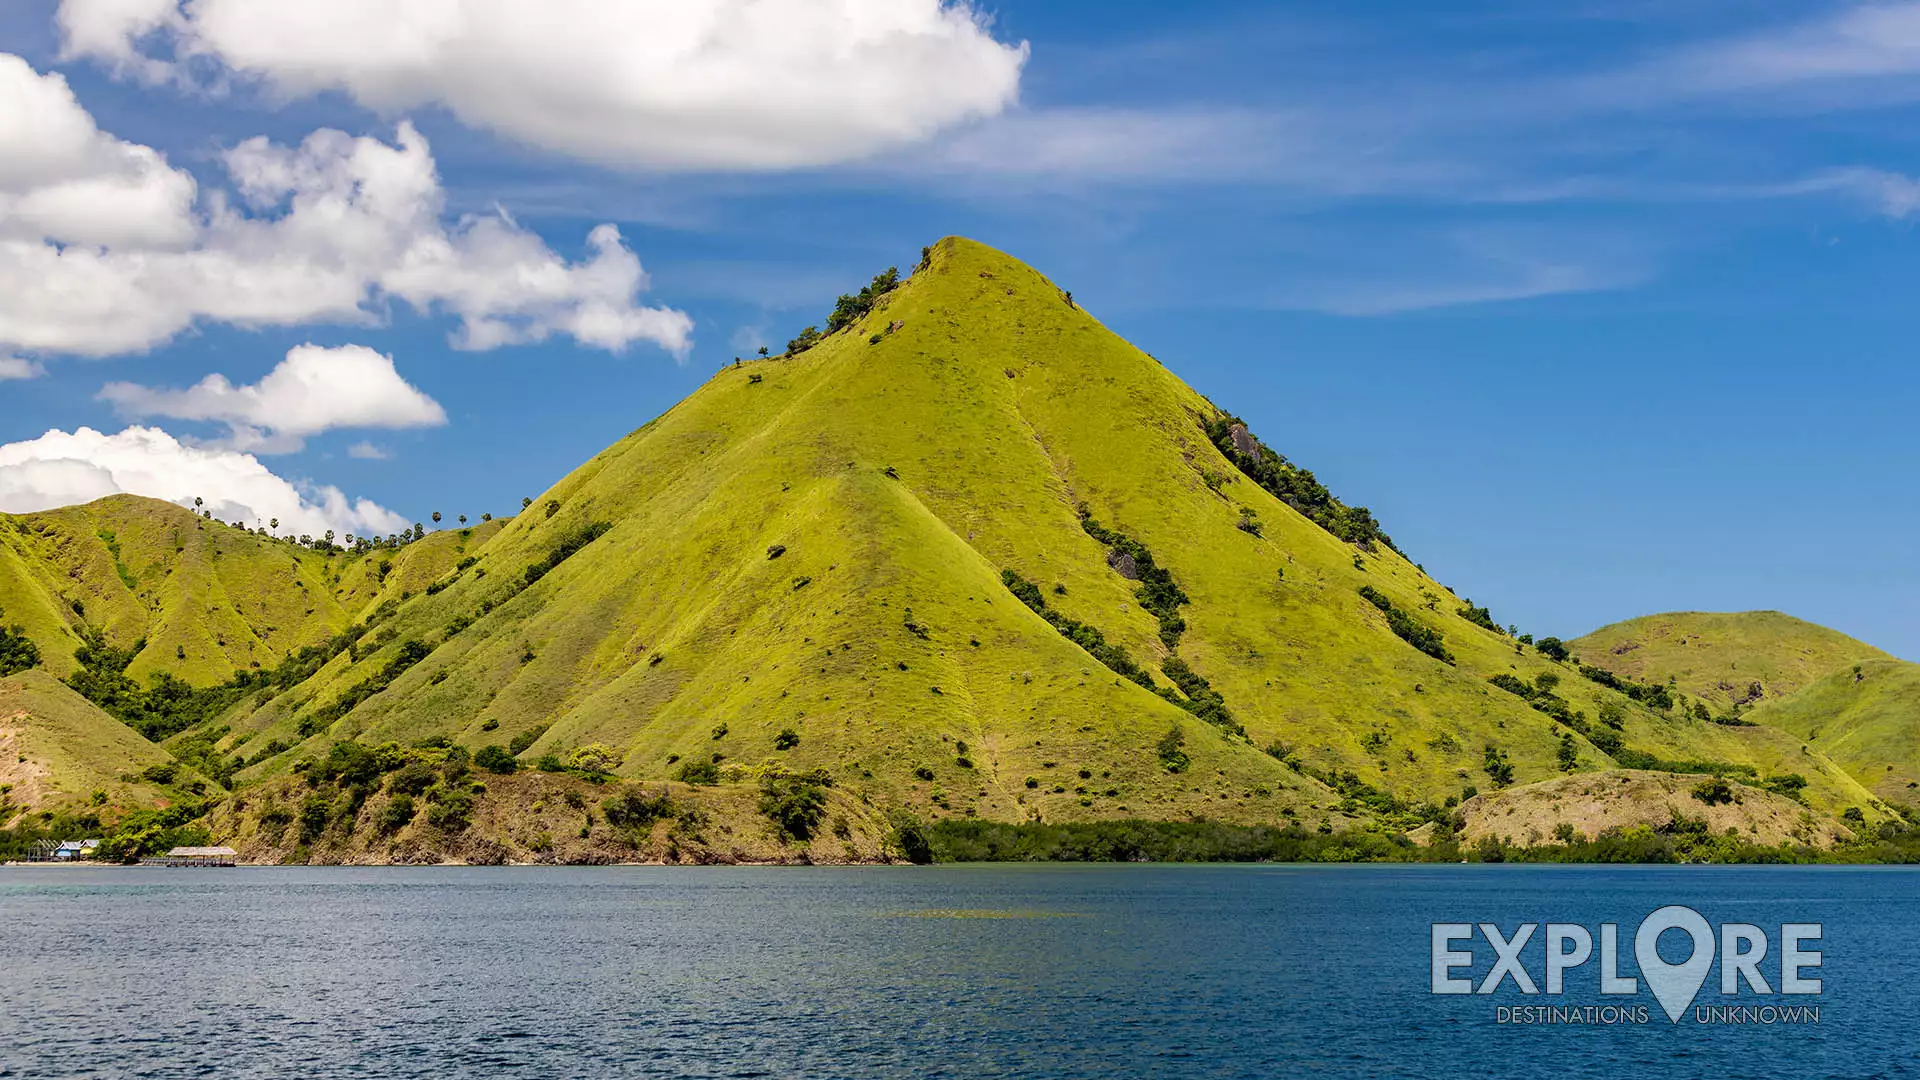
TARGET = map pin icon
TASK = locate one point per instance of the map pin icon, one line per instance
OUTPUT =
(1674, 985)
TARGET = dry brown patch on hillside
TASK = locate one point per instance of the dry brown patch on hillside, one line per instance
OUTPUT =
(22, 781)
(1592, 803)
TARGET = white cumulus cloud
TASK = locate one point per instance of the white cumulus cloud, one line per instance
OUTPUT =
(676, 84)
(13, 367)
(63, 468)
(61, 176)
(105, 249)
(313, 390)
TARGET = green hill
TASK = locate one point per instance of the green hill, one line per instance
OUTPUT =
(1726, 658)
(57, 749)
(202, 599)
(819, 543)
(966, 554)
(1866, 717)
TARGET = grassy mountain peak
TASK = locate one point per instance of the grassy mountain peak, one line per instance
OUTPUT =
(964, 553)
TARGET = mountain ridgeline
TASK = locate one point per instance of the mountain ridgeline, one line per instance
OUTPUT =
(964, 554)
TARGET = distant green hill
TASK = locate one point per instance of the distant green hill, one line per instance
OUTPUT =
(205, 598)
(968, 553)
(1746, 657)
(1866, 717)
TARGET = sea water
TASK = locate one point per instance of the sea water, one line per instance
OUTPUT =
(949, 971)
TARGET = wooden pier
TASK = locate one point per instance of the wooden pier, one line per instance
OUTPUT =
(194, 856)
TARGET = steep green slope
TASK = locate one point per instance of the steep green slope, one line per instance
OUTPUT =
(58, 750)
(206, 598)
(1866, 717)
(817, 544)
(1745, 657)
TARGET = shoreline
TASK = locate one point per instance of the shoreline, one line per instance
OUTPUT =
(1302, 863)
(681, 832)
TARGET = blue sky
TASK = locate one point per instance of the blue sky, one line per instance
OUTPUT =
(1603, 308)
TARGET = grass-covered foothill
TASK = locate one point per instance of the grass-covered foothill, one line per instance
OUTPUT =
(202, 597)
(168, 705)
(1726, 658)
(1862, 716)
(60, 753)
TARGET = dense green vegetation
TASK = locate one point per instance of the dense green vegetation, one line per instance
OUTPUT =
(166, 706)
(848, 310)
(340, 783)
(1479, 616)
(1162, 597)
(568, 545)
(1684, 840)
(1652, 696)
(794, 805)
(1155, 841)
(636, 811)
(1196, 695)
(17, 651)
(1406, 627)
(1200, 699)
(409, 653)
(1296, 487)
(1087, 637)
(1539, 694)
(1498, 768)
(804, 340)
(1158, 592)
